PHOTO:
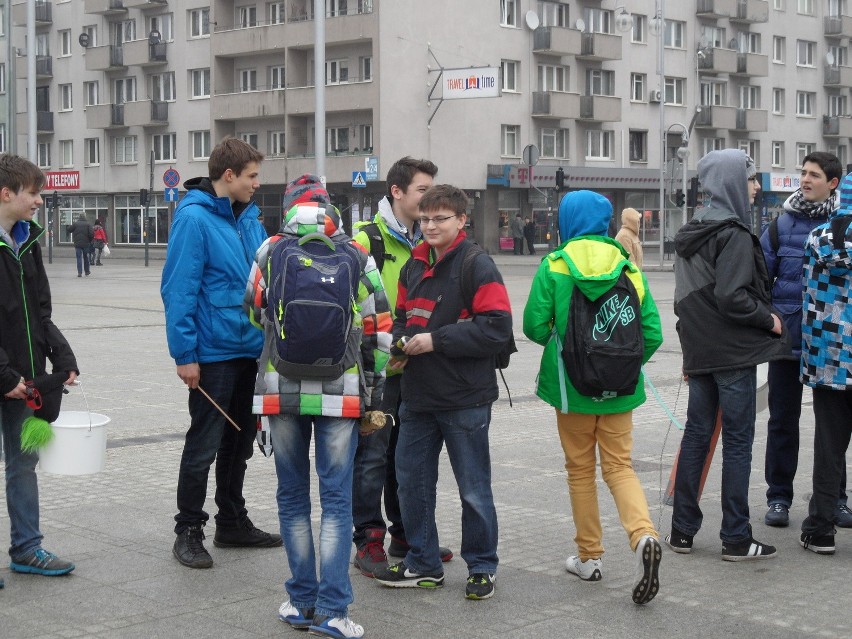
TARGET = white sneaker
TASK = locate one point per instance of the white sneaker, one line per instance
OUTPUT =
(337, 627)
(649, 553)
(589, 570)
(288, 613)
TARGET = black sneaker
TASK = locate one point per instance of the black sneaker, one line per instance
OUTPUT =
(480, 585)
(399, 576)
(747, 550)
(399, 548)
(189, 549)
(778, 515)
(679, 542)
(820, 544)
(245, 536)
(843, 516)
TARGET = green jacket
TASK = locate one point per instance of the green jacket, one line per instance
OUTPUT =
(593, 263)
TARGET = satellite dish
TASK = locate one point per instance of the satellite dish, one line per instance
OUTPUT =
(732, 43)
(84, 40)
(829, 58)
(154, 37)
(581, 26)
(531, 154)
(531, 18)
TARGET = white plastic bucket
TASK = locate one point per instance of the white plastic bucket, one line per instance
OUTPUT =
(78, 446)
(762, 402)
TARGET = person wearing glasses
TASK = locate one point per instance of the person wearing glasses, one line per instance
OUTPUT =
(447, 344)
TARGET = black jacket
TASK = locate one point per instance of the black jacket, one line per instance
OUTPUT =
(28, 336)
(82, 233)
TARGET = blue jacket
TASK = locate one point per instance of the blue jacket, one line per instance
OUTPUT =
(785, 270)
(208, 261)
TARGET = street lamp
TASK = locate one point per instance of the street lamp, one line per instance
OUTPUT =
(656, 26)
(623, 19)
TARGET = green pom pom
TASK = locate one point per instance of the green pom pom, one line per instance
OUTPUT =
(35, 434)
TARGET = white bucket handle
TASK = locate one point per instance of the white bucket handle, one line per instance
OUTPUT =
(79, 383)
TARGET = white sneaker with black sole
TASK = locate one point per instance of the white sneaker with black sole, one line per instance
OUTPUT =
(649, 553)
(589, 570)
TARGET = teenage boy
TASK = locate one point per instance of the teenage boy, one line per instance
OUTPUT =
(389, 238)
(213, 239)
(722, 298)
(448, 388)
(783, 244)
(28, 337)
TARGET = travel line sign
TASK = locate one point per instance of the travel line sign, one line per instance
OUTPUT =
(61, 180)
(481, 82)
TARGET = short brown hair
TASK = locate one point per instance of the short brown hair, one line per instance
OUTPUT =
(403, 170)
(233, 154)
(19, 173)
(444, 196)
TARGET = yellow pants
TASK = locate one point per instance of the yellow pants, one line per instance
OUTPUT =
(613, 435)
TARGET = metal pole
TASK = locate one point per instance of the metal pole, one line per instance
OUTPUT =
(319, 86)
(661, 73)
(146, 224)
(32, 120)
(11, 101)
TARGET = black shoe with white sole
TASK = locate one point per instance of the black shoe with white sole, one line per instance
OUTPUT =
(649, 552)
(820, 544)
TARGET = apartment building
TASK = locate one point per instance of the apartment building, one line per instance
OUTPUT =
(580, 87)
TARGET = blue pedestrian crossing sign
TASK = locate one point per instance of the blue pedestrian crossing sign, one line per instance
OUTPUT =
(171, 195)
(359, 179)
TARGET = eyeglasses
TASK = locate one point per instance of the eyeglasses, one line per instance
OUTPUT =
(424, 221)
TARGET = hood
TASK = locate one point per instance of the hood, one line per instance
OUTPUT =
(583, 213)
(396, 227)
(594, 263)
(828, 252)
(724, 179)
(693, 235)
(313, 217)
(630, 219)
(204, 185)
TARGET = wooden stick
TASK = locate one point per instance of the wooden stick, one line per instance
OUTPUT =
(219, 408)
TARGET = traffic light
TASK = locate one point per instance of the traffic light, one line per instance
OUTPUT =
(54, 201)
(143, 197)
(680, 198)
(560, 178)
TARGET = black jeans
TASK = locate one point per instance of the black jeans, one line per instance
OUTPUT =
(210, 437)
(833, 413)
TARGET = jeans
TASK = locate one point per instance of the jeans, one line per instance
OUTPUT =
(21, 480)
(612, 435)
(82, 254)
(421, 438)
(734, 393)
(833, 413)
(782, 441)
(336, 439)
(210, 437)
(518, 248)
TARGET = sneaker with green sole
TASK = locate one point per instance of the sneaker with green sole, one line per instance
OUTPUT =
(480, 585)
(400, 576)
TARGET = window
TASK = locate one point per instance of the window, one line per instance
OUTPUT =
(778, 5)
(249, 138)
(124, 31)
(638, 82)
(778, 101)
(43, 98)
(246, 17)
(599, 145)
(66, 102)
(841, 151)
(64, 42)
(713, 144)
(124, 149)
(508, 13)
(598, 20)
(639, 32)
(838, 105)
(806, 7)
(276, 143)
(714, 36)
(42, 44)
(552, 78)
(200, 81)
(43, 155)
(335, 8)
(805, 101)
(164, 147)
(336, 71)
(199, 23)
(673, 37)
(3, 137)
(751, 148)
(91, 30)
(365, 131)
(248, 80)
(2, 79)
(748, 42)
(638, 146)
(275, 12)
(276, 77)
(66, 153)
(124, 90)
(803, 149)
(805, 53)
(366, 63)
(554, 143)
(92, 149)
(90, 93)
(164, 23)
(837, 8)
(509, 134)
(600, 82)
(777, 154)
(337, 139)
(840, 55)
(779, 46)
(714, 93)
(509, 75)
(674, 90)
(200, 144)
(163, 87)
(553, 14)
(749, 97)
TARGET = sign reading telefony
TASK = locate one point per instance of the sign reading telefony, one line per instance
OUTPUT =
(61, 180)
(471, 83)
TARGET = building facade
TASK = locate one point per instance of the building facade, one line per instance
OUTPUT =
(582, 86)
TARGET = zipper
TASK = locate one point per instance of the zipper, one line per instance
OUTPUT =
(31, 240)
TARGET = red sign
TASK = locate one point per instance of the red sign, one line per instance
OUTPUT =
(62, 180)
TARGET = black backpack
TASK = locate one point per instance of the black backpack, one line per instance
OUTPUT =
(604, 343)
(377, 243)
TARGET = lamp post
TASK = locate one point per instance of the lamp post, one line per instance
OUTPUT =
(656, 26)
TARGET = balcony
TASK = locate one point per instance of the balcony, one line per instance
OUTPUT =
(354, 96)
(105, 7)
(837, 26)
(752, 65)
(557, 41)
(600, 108)
(108, 58)
(44, 67)
(555, 104)
(834, 126)
(751, 11)
(600, 46)
(145, 5)
(338, 168)
(716, 8)
(249, 105)
(837, 76)
(44, 121)
(752, 120)
(116, 116)
(718, 61)
(43, 14)
(139, 53)
(716, 117)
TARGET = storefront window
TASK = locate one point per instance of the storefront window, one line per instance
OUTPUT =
(94, 207)
(128, 219)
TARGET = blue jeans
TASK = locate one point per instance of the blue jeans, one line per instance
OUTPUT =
(21, 480)
(334, 447)
(210, 437)
(82, 259)
(734, 393)
(421, 437)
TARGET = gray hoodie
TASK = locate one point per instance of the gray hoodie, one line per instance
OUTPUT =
(724, 179)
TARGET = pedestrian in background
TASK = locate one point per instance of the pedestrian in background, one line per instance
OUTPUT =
(529, 235)
(517, 228)
(628, 235)
(100, 241)
(82, 235)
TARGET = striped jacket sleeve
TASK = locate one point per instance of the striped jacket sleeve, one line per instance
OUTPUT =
(254, 300)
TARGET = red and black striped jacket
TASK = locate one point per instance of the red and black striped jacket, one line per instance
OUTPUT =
(460, 372)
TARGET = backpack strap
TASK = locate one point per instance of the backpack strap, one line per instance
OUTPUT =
(466, 275)
(774, 242)
(377, 244)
